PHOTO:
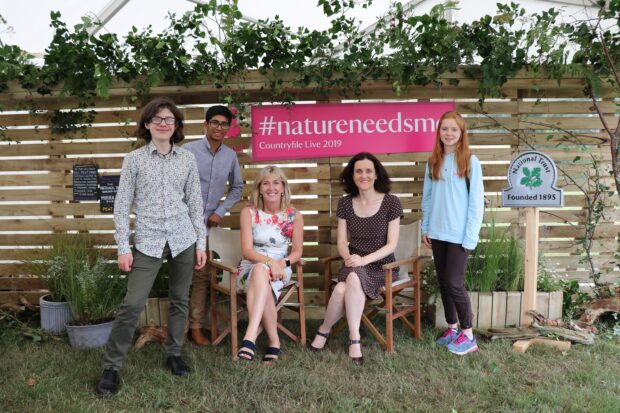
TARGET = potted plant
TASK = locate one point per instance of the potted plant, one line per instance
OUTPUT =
(494, 279)
(55, 265)
(94, 293)
(54, 309)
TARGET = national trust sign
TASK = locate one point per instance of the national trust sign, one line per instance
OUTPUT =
(531, 182)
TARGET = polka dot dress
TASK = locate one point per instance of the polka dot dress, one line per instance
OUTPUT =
(367, 235)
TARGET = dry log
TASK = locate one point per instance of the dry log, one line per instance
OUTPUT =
(575, 336)
(515, 333)
(598, 307)
(11, 307)
(149, 334)
(521, 346)
(24, 301)
(572, 324)
(543, 321)
(578, 325)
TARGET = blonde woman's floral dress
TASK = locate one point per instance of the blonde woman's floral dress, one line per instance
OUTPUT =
(272, 235)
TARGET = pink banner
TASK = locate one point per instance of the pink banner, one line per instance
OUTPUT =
(342, 129)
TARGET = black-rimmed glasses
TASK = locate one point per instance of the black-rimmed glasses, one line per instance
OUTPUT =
(158, 119)
(216, 124)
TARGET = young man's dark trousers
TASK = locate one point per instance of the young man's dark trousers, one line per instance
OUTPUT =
(139, 283)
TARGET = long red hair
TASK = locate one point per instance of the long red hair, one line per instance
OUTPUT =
(462, 152)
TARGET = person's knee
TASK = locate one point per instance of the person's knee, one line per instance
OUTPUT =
(353, 280)
(455, 289)
(260, 276)
(339, 290)
(131, 307)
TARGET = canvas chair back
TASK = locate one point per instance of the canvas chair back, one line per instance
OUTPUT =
(409, 240)
(226, 243)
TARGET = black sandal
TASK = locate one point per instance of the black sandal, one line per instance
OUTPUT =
(356, 360)
(271, 355)
(324, 335)
(245, 354)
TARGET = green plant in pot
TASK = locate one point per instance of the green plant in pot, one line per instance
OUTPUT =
(94, 293)
(54, 265)
(495, 265)
(55, 311)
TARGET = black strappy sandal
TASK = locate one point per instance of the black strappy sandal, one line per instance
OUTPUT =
(356, 360)
(245, 355)
(272, 354)
(324, 335)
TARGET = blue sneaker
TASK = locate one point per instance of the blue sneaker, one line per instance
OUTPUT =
(448, 336)
(463, 345)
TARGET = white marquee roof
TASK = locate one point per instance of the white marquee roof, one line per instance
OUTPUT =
(28, 20)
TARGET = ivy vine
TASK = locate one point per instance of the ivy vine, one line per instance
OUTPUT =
(212, 44)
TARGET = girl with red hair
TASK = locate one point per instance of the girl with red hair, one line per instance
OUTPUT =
(452, 210)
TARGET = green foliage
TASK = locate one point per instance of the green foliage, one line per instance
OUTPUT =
(95, 291)
(20, 326)
(59, 263)
(71, 121)
(75, 271)
(573, 297)
(405, 48)
(496, 264)
(430, 284)
(547, 280)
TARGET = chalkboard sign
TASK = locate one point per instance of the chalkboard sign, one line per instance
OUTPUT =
(85, 182)
(109, 186)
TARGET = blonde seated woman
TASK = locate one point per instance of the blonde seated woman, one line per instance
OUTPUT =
(268, 226)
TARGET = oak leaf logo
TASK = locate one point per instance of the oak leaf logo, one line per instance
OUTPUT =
(531, 179)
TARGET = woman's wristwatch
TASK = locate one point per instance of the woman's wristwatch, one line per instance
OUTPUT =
(287, 262)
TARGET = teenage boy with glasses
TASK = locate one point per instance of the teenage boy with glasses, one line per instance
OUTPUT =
(160, 182)
(217, 166)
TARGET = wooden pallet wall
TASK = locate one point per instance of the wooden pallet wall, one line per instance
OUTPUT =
(36, 164)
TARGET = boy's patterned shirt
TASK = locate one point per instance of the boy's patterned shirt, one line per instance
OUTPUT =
(164, 191)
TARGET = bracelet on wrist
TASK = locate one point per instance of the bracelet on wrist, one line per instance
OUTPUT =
(267, 262)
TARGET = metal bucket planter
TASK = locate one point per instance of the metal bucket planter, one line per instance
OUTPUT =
(54, 315)
(89, 336)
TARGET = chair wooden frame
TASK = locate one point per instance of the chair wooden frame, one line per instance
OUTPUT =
(237, 298)
(390, 294)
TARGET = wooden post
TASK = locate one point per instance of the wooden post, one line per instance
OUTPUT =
(531, 264)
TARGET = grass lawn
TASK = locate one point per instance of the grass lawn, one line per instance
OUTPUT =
(52, 377)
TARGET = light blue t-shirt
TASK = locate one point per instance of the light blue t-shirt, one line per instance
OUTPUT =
(449, 212)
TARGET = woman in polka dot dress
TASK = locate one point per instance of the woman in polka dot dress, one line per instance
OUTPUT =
(368, 225)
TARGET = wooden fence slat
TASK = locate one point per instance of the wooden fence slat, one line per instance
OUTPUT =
(15, 283)
(555, 305)
(54, 165)
(485, 310)
(473, 297)
(564, 123)
(13, 297)
(152, 313)
(554, 107)
(542, 304)
(513, 308)
(498, 316)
